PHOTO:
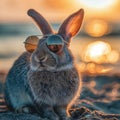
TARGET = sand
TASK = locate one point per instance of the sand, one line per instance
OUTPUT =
(99, 100)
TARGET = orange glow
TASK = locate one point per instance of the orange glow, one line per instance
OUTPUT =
(81, 67)
(113, 56)
(58, 5)
(96, 51)
(100, 52)
(97, 4)
(97, 28)
(57, 10)
(92, 83)
(91, 68)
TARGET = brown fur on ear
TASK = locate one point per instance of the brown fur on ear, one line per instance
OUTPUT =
(71, 25)
(41, 21)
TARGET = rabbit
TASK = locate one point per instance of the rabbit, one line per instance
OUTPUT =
(46, 78)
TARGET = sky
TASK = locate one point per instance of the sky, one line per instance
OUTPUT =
(53, 10)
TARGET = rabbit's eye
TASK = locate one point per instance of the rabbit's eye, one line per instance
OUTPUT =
(31, 43)
(55, 48)
(55, 43)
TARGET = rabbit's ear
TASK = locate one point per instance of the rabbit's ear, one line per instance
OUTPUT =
(71, 25)
(41, 21)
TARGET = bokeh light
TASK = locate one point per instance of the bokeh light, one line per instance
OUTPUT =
(97, 28)
(113, 56)
(98, 4)
(100, 52)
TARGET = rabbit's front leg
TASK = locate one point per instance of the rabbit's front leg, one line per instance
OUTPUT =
(24, 109)
(48, 112)
(62, 111)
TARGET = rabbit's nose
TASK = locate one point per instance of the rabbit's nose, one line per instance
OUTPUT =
(43, 58)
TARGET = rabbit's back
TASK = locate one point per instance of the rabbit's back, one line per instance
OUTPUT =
(16, 83)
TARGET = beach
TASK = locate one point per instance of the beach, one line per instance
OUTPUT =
(95, 50)
(99, 100)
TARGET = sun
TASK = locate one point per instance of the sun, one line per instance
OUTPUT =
(97, 3)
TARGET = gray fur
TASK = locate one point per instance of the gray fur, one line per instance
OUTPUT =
(16, 86)
(44, 80)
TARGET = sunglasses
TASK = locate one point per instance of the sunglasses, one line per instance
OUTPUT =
(55, 43)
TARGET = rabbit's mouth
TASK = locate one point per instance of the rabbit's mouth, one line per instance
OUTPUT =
(46, 62)
(43, 68)
(41, 64)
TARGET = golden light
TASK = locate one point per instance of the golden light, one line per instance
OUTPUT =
(100, 52)
(98, 58)
(113, 56)
(93, 83)
(97, 4)
(97, 52)
(81, 67)
(97, 28)
(91, 68)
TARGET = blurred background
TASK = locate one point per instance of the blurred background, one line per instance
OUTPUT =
(96, 47)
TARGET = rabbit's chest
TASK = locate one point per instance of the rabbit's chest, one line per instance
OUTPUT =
(54, 87)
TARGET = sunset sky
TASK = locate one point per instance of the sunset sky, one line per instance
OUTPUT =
(15, 10)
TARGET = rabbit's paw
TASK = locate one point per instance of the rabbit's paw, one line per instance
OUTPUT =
(62, 112)
(24, 109)
(51, 115)
(64, 118)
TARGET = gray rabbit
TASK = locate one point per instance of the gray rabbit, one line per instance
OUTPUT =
(45, 78)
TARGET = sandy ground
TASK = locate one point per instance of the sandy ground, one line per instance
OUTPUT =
(99, 100)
